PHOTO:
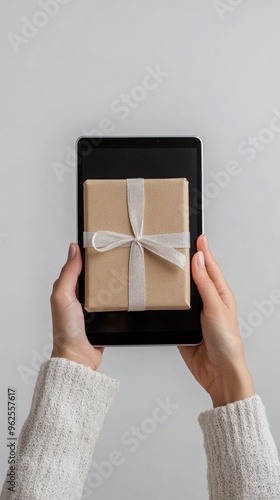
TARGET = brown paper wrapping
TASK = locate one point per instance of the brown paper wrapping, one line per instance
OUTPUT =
(106, 273)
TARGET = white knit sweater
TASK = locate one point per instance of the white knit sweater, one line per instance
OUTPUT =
(70, 401)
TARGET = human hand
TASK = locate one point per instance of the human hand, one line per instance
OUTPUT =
(69, 337)
(218, 363)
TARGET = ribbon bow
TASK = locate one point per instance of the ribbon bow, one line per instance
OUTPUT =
(163, 245)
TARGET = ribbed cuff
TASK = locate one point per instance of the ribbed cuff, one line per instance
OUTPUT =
(241, 454)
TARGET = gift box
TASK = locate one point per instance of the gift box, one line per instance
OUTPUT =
(136, 240)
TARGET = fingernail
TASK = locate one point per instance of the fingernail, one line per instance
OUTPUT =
(205, 239)
(200, 260)
(71, 251)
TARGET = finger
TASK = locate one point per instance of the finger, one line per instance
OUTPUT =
(215, 272)
(207, 290)
(67, 280)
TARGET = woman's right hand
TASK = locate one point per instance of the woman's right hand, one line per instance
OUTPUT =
(69, 335)
(218, 363)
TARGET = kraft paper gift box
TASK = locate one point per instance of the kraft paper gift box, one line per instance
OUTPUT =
(114, 279)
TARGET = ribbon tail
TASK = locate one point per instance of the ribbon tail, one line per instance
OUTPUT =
(165, 251)
(174, 240)
(136, 280)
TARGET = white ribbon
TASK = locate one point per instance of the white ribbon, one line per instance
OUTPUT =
(163, 245)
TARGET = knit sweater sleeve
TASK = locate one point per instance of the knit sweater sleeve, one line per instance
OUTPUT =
(241, 454)
(57, 440)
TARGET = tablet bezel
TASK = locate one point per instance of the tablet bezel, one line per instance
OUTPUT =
(101, 335)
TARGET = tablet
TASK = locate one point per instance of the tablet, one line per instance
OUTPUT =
(150, 158)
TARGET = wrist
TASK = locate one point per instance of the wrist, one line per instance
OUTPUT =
(232, 387)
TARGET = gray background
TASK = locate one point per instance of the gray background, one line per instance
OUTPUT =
(222, 85)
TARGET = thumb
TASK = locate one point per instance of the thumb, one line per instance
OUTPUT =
(67, 280)
(206, 287)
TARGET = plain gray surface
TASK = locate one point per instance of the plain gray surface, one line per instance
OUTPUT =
(222, 85)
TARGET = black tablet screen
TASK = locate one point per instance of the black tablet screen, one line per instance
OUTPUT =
(121, 158)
